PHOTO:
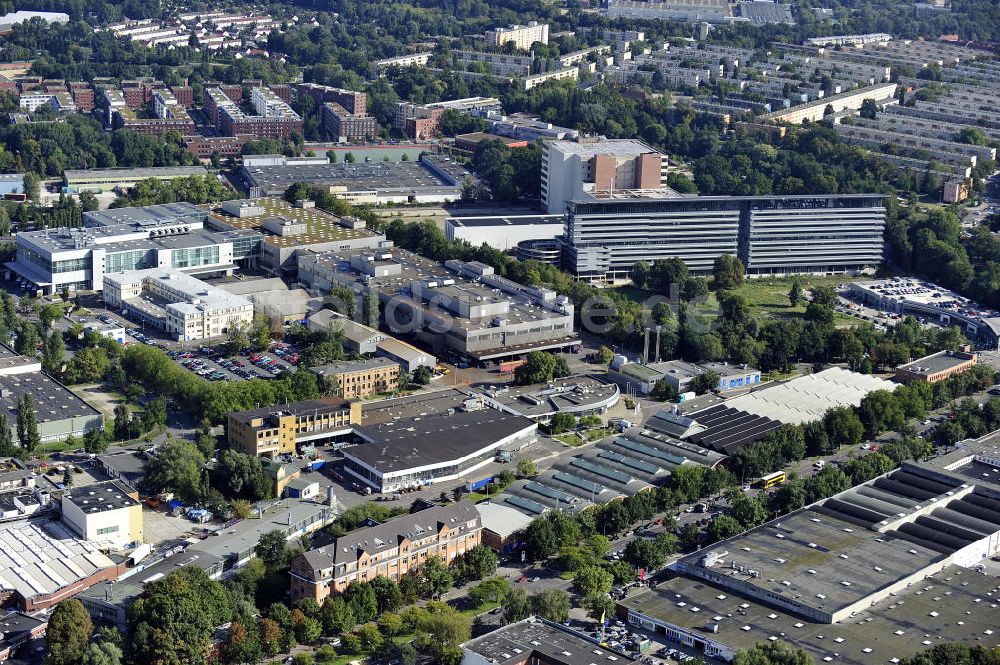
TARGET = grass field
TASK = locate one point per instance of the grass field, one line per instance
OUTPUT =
(767, 297)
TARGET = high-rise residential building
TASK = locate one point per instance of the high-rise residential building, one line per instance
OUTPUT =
(523, 36)
(821, 234)
(573, 170)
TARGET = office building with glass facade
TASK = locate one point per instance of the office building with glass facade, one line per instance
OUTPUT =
(116, 241)
(808, 234)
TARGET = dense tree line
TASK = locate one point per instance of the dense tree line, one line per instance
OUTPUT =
(204, 399)
(80, 143)
(192, 189)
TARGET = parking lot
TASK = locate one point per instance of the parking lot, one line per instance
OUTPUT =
(211, 364)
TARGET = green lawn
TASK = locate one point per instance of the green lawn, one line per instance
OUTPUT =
(766, 296)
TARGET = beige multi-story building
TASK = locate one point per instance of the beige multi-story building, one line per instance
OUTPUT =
(573, 170)
(277, 430)
(183, 306)
(354, 379)
(107, 513)
(390, 550)
(523, 36)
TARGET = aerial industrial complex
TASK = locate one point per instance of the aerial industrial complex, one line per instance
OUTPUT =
(880, 571)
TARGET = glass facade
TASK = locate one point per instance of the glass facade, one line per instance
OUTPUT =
(131, 260)
(245, 247)
(70, 265)
(195, 256)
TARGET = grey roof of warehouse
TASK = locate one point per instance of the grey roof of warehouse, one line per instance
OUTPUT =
(934, 363)
(135, 174)
(40, 557)
(11, 361)
(163, 213)
(570, 394)
(394, 446)
(101, 497)
(409, 407)
(951, 605)
(356, 177)
(242, 537)
(348, 366)
(126, 589)
(129, 464)
(54, 401)
(549, 642)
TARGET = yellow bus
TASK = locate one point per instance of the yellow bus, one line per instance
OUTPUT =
(772, 479)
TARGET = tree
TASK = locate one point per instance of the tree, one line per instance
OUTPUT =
(242, 476)
(538, 368)
(843, 427)
(516, 605)
(478, 562)
(600, 608)
(562, 422)
(440, 633)
(869, 109)
(727, 272)
(592, 581)
(422, 376)
(123, 423)
(337, 616)
(551, 604)
(722, 527)
(239, 336)
(32, 185)
(435, 577)
(96, 441)
(370, 637)
(68, 633)
(102, 653)
(645, 553)
(27, 423)
(273, 550)
(689, 536)
(605, 355)
(880, 411)
(53, 353)
(344, 300)
(172, 621)
(773, 653)
(177, 467)
(795, 293)
(705, 382)
(526, 468)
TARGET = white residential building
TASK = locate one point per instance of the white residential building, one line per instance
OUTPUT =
(523, 36)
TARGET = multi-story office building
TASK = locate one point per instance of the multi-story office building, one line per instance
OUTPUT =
(183, 306)
(458, 307)
(837, 233)
(574, 170)
(523, 36)
(390, 549)
(114, 241)
(353, 379)
(277, 430)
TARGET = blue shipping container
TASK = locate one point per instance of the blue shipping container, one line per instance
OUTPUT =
(478, 485)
